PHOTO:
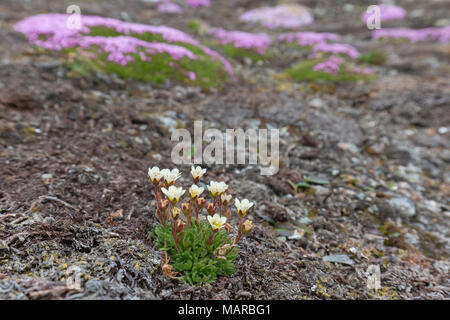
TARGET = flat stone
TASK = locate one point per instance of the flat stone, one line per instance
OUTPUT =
(403, 206)
(339, 258)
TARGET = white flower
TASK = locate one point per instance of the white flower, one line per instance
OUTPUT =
(217, 188)
(155, 174)
(171, 176)
(226, 198)
(195, 191)
(165, 172)
(173, 193)
(242, 206)
(217, 222)
(197, 173)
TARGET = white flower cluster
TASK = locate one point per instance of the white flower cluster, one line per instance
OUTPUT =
(219, 213)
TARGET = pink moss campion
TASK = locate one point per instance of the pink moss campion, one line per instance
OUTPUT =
(191, 75)
(331, 65)
(198, 3)
(308, 38)
(414, 35)
(252, 41)
(388, 12)
(337, 48)
(360, 70)
(167, 6)
(50, 31)
(282, 16)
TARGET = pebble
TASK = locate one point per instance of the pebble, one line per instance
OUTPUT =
(46, 176)
(48, 220)
(298, 234)
(317, 103)
(244, 294)
(305, 220)
(347, 146)
(4, 249)
(411, 239)
(339, 258)
(403, 206)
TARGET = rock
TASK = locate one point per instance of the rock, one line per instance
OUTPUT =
(317, 103)
(411, 239)
(431, 141)
(4, 249)
(339, 258)
(321, 191)
(166, 293)
(298, 234)
(84, 175)
(47, 177)
(403, 206)
(166, 121)
(346, 146)
(376, 148)
(48, 220)
(304, 220)
(244, 294)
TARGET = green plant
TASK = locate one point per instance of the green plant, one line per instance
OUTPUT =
(304, 71)
(161, 67)
(196, 257)
(241, 54)
(198, 249)
(374, 58)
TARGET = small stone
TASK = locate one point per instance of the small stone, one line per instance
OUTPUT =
(244, 294)
(4, 249)
(443, 130)
(47, 177)
(317, 103)
(339, 258)
(166, 293)
(347, 146)
(48, 220)
(298, 234)
(321, 191)
(411, 239)
(403, 206)
(376, 148)
(87, 175)
(305, 220)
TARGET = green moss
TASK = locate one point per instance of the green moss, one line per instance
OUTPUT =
(195, 258)
(241, 54)
(304, 71)
(194, 25)
(373, 58)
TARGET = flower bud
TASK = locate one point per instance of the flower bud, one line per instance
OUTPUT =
(186, 209)
(247, 226)
(163, 204)
(180, 225)
(211, 209)
(176, 212)
(200, 202)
